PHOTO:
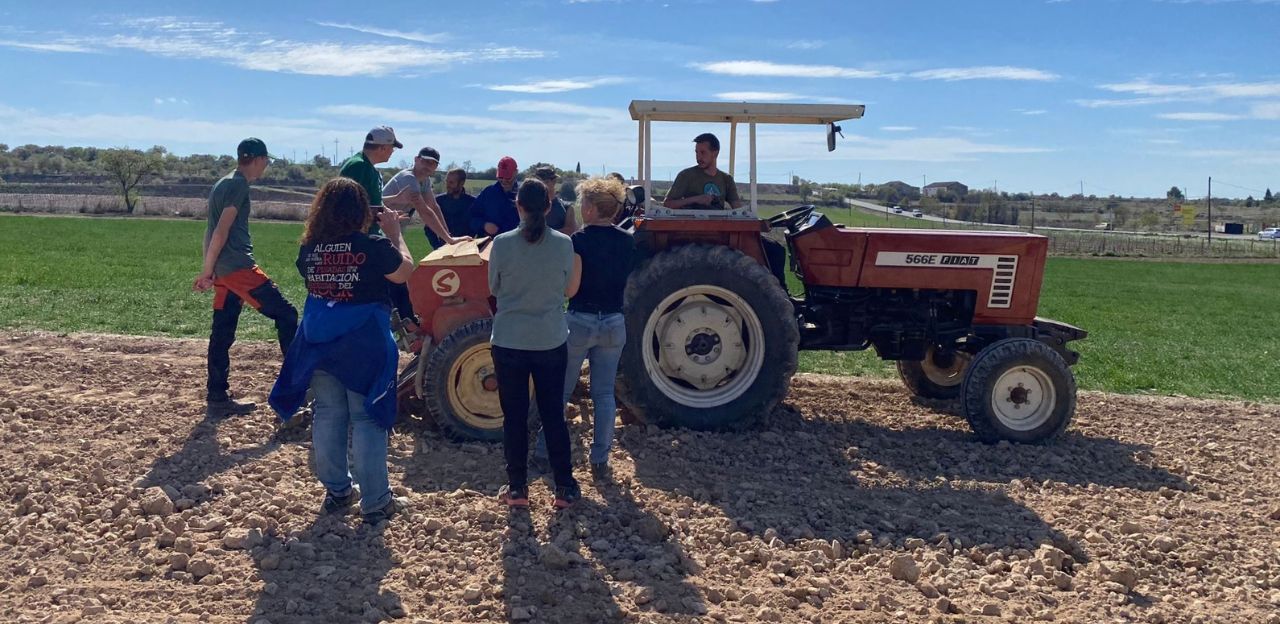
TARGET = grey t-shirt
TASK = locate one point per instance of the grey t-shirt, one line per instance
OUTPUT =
(399, 182)
(528, 280)
(237, 253)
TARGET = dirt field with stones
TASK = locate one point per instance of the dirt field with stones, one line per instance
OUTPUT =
(122, 503)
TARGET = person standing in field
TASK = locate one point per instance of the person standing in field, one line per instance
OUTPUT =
(344, 352)
(379, 144)
(404, 191)
(455, 205)
(494, 210)
(231, 271)
(597, 329)
(561, 218)
(531, 270)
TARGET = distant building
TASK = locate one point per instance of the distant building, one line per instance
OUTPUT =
(946, 188)
(903, 190)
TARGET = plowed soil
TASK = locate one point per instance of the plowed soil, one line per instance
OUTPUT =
(122, 502)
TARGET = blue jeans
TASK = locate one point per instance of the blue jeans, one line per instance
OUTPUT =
(597, 338)
(339, 420)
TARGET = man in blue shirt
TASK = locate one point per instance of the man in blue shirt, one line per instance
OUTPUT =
(455, 205)
(494, 210)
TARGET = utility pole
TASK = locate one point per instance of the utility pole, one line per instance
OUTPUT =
(1082, 189)
(1033, 211)
(335, 150)
(1208, 198)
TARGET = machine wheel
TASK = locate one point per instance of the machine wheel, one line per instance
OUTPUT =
(460, 386)
(1020, 390)
(712, 340)
(938, 376)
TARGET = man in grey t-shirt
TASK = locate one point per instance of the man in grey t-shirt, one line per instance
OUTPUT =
(230, 270)
(404, 193)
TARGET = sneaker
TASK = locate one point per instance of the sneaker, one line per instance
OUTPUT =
(514, 496)
(393, 507)
(566, 496)
(298, 420)
(600, 472)
(229, 407)
(341, 504)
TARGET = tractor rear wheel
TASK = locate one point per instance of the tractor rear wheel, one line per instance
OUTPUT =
(1018, 389)
(460, 385)
(938, 376)
(712, 340)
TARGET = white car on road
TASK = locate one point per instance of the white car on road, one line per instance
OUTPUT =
(1269, 234)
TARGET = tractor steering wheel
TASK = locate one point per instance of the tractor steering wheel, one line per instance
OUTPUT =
(792, 219)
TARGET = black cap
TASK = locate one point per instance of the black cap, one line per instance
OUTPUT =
(252, 147)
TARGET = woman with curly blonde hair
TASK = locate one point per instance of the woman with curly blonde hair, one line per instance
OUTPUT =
(343, 350)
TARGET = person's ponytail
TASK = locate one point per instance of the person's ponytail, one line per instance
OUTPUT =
(534, 203)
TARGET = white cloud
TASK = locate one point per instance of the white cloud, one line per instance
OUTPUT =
(1023, 111)
(990, 72)
(555, 86)
(1159, 93)
(214, 41)
(758, 96)
(1200, 116)
(391, 34)
(170, 100)
(898, 128)
(1268, 110)
(767, 68)
(51, 46)
(785, 70)
(806, 44)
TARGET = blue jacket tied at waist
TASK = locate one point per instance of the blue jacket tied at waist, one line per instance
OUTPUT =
(349, 341)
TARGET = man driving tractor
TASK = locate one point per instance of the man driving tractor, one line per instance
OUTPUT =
(705, 187)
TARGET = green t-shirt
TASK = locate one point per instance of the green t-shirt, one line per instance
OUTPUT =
(359, 168)
(692, 182)
(237, 253)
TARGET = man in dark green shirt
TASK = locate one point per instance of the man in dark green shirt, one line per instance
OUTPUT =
(703, 186)
(378, 147)
(233, 274)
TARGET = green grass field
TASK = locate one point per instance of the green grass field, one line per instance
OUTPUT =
(1156, 327)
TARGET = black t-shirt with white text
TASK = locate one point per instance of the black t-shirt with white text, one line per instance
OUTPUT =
(607, 256)
(350, 269)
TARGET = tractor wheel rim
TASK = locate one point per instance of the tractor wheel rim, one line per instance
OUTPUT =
(472, 403)
(945, 376)
(1023, 398)
(703, 346)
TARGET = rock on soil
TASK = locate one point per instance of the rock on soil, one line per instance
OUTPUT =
(123, 503)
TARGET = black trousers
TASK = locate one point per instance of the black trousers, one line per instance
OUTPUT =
(399, 294)
(223, 335)
(513, 368)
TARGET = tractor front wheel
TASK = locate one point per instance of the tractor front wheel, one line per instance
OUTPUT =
(712, 340)
(1020, 390)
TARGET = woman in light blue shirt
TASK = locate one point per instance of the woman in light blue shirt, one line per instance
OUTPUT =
(531, 271)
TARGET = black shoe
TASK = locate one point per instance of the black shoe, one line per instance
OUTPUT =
(601, 471)
(229, 407)
(393, 507)
(566, 496)
(298, 420)
(341, 504)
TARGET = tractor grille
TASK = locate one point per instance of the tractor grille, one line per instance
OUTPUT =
(1002, 282)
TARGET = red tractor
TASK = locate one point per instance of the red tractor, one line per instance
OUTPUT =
(713, 337)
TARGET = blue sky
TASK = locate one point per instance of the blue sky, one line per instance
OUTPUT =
(1128, 96)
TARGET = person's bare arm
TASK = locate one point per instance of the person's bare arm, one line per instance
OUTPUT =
(432, 216)
(217, 240)
(575, 277)
(390, 222)
(701, 200)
